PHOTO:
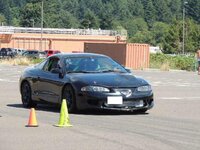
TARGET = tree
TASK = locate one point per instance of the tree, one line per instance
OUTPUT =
(162, 11)
(30, 11)
(18, 3)
(141, 37)
(2, 19)
(52, 13)
(5, 10)
(120, 10)
(71, 6)
(192, 37)
(135, 25)
(149, 12)
(172, 43)
(136, 8)
(175, 8)
(106, 17)
(159, 31)
(67, 20)
(193, 9)
(15, 13)
(95, 6)
(90, 20)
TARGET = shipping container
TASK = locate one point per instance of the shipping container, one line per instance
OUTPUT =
(131, 55)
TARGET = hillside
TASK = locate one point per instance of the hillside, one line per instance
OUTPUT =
(156, 22)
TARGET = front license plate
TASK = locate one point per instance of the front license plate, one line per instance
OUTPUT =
(114, 100)
(139, 103)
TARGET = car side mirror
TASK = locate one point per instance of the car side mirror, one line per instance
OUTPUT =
(57, 71)
(128, 70)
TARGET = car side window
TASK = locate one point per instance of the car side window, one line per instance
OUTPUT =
(41, 65)
(51, 64)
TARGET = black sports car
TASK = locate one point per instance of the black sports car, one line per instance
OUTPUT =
(85, 80)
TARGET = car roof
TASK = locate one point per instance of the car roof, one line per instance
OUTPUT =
(78, 55)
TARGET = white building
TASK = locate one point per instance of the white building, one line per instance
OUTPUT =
(155, 49)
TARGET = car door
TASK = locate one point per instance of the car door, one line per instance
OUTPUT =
(49, 83)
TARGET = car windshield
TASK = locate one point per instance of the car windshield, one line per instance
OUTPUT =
(92, 64)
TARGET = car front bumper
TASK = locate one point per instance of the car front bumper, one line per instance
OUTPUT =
(100, 101)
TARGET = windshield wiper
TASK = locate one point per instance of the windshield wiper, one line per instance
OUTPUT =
(118, 71)
(81, 71)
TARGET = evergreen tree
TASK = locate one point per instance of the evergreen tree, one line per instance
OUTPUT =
(30, 12)
(2, 19)
(172, 43)
(90, 20)
(5, 10)
(67, 20)
(159, 31)
(162, 11)
(192, 36)
(149, 12)
(120, 10)
(135, 25)
(106, 17)
(71, 6)
(193, 9)
(136, 8)
(175, 9)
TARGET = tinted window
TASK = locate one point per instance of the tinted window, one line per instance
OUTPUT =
(3, 50)
(94, 64)
(51, 64)
(41, 65)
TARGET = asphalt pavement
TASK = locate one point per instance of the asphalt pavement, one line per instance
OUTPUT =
(173, 124)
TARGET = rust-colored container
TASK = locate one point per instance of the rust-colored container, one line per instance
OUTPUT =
(137, 56)
(115, 51)
(132, 55)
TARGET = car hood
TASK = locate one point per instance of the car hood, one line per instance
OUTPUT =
(108, 79)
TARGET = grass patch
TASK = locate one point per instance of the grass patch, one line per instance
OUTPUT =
(24, 61)
(165, 66)
(167, 62)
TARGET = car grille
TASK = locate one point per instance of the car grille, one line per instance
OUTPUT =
(127, 92)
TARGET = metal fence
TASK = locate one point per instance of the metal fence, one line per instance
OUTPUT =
(11, 30)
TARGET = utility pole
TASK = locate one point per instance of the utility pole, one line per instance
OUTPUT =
(41, 48)
(183, 46)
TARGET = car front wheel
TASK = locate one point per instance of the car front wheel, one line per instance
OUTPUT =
(26, 95)
(69, 95)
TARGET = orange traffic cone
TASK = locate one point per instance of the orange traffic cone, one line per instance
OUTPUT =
(32, 119)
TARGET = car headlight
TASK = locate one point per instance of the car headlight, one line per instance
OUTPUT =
(145, 88)
(94, 89)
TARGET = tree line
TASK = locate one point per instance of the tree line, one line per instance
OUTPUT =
(157, 22)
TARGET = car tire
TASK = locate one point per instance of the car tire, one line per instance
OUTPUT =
(69, 95)
(26, 95)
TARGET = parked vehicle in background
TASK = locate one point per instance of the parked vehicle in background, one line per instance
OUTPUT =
(31, 54)
(19, 51)
(7, 53)
(3, 53)
(42, 54)
(51, 52)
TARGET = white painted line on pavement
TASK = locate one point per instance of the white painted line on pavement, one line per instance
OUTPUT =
(171, 98)
(178, 98)
(5, 80)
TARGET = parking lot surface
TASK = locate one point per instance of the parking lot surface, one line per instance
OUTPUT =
(174, 122)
